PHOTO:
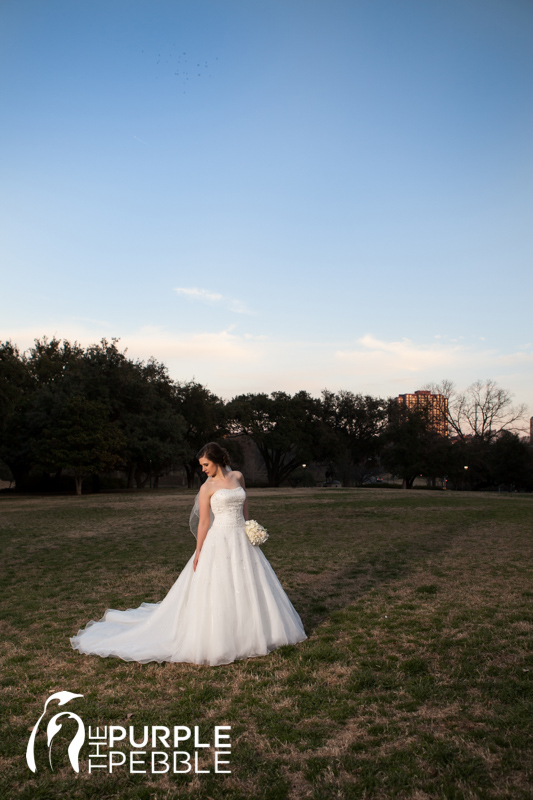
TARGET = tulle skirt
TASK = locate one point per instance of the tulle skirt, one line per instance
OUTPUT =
(232, 607)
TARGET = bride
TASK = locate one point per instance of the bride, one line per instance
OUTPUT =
(227, 603)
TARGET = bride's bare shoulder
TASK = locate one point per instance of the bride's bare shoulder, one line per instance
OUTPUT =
(238, 476)
(206, 489)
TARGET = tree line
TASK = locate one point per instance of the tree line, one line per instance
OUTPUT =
(88, 412)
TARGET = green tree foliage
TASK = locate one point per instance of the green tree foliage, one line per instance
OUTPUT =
(129, 403)
(288, 430)
(505, 461)
(412, 447)
(69, 410)
(512, 462)
(79, 437)
(34, 380)
(204, 416)
(357, 422)
(140, 398)
(15, 387)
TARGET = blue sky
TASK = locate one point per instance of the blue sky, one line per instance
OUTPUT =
(293, 194)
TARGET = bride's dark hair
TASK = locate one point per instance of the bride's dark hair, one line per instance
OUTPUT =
(215, 453)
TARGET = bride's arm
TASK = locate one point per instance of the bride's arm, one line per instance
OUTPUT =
(205, 520)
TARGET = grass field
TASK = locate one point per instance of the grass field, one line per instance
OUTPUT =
(415, 682)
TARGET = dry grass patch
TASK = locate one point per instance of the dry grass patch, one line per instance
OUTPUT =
(415, 682)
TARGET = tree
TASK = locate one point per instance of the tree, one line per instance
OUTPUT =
(49, 361)
(357, 422)
(483, 410)
(512, 462)
(412, 447)
(14, 379)
(78, 437)
(15, 387)
(287, 430)
(505, 460)
(204, 418)
(140, 398)
(28, 377)
(46, 387)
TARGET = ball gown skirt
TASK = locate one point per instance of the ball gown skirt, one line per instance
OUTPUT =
(232, 607)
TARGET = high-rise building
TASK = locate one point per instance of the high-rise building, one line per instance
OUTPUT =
(435, 405)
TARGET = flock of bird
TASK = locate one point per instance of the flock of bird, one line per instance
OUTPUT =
(184, 67)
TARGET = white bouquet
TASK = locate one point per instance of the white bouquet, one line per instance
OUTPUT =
(255, 532)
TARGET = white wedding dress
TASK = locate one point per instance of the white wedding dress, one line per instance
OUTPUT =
(232, 607)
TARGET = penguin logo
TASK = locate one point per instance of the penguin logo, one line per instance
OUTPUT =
(53, 727)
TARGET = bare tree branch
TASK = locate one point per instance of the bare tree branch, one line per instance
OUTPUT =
(484, 410)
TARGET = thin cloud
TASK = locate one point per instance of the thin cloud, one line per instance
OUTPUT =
(213, 298)
(205, 347)
(231, 363)
(236, 306)
(100, 322)
(509, 359)
(200, 294)
(403, 355)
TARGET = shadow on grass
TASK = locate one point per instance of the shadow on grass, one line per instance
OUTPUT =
(336, 589)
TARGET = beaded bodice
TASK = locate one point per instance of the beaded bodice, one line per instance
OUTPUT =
(226, 505)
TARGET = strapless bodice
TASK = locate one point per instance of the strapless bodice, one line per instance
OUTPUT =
(226, 505)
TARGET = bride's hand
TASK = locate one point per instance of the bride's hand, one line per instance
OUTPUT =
(195, 562)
